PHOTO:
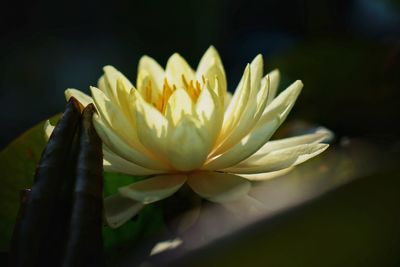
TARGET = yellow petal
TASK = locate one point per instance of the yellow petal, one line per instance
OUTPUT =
(179, 105)
(114, 163)
(237, 105)
(227, 100)
(187, 145)
(150, 68)
(257, 70)
(154, 188)
(176, 67)
(250, 117)
(210, 66)
(108, 82)
(312, 138)
(119, 122)
(152, 128)
(274, 77)
(83, 98)
(120, 147)
(217, 186)
(210, 112)
(118, 210)
(280, 159)
(283, 103)
(245, 148)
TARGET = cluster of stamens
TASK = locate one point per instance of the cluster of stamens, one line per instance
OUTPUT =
(193, 88)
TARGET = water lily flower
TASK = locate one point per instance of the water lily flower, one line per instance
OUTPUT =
(180, 126)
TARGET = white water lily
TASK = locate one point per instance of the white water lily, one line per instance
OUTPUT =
(182, 126)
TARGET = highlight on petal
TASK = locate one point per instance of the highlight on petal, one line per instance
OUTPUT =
(83, 98)
(280, 159)
(176, 67)
(154, 188)
(188, 145)
(217, 186)
(118, 210)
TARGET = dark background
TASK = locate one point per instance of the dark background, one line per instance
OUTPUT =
(347, 52)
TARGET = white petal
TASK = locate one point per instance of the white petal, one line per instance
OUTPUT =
(83, 98)
(118, 210)
(114, 163)
(188, 145)
(154, 188)
(280, 159)
(257, 70)
(218, 187)
(176, 67)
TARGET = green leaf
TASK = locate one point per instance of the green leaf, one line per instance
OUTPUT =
(17, 166)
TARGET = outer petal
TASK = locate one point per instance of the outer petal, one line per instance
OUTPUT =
(266, 175)
(246, 147)
(249, 118)
(108, 82)
(210, 66)
(237, 105)
(83, 98)
(274, 77)
(280, 159)
(176, 67)
(154, 188)
(217, 186)
(119, 209)
(188, 145)
(282, 104)
(114, 163)
(150, 68)
(271, 146)
(123, 149)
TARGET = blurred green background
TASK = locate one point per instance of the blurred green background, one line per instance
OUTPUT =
(347, 52)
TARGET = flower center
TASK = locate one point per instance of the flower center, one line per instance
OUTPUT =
(193, 88)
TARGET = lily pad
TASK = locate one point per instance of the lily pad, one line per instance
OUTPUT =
(17, 165)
